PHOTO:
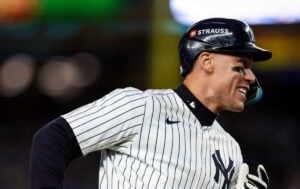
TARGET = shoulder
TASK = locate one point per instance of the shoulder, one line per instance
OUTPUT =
(120, 94)
(132, 92)
(159, 92)
(159, 95)
(127, 91)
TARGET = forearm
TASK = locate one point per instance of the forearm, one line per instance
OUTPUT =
(54, 146)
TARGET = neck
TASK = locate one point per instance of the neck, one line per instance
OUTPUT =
(204, 115)
(202, 91)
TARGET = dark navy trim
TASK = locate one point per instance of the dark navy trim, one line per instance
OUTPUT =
(54, 146)
(203, 114)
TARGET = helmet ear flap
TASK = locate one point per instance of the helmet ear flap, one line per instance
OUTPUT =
(186, 57)
(254, 94)
(188, 52)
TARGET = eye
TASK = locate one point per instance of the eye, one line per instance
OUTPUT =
(239, 69)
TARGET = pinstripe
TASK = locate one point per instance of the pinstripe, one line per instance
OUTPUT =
(171, 115)
(101, 176)
(124, 171)
(181, 131)
(196, 154)
(108, 129)
(101, 101)
(210, 164)
(221, 146)
(131, 166)
(207, 158)
(152, 113)
(121, 139)
(184, 139)
(218, 147)
(142, 129)
(163, 104)
(119, 165)
(155, 146)
(190, 151)
(110, 112)
(156, 136)
(149, 137)
(199, 157)
(112, 171)
(177, 158)
(138, 144)
(140, 150)
(204, 157)
(85, 121)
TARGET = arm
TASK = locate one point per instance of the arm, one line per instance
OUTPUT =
(54, 146)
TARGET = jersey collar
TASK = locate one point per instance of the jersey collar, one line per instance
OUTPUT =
(204, 115)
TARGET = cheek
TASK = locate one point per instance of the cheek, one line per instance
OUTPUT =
(227, 83)
(223, 91)
(227, 88)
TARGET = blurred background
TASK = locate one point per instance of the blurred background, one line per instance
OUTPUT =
(56, 55)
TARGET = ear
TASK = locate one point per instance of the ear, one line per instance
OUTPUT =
(205, 61)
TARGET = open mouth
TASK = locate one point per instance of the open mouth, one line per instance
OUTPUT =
(243, 91)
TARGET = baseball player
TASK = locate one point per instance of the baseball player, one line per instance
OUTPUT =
(165, 138)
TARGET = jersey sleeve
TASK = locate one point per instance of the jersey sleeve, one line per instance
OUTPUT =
(109, 121)
(53, 147)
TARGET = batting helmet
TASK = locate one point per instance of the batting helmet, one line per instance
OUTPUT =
(220, 35)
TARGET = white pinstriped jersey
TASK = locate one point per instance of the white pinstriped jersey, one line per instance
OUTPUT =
(151, 139)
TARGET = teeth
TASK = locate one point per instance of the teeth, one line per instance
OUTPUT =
(243, 90)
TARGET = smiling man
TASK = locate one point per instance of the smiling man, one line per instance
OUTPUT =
(165, 138)
(216, 59)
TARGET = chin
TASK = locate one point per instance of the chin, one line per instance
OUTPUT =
(240, 110)
(238, 107)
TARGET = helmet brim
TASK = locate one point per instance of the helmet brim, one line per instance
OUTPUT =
(257, 53)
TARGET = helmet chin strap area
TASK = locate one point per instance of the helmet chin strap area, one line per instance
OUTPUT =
(254, 94)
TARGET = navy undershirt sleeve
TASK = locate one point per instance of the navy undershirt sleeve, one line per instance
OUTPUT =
(54, 146)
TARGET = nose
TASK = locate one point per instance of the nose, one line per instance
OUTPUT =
(249, 76)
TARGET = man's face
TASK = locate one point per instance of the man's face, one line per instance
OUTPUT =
(231, 80)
